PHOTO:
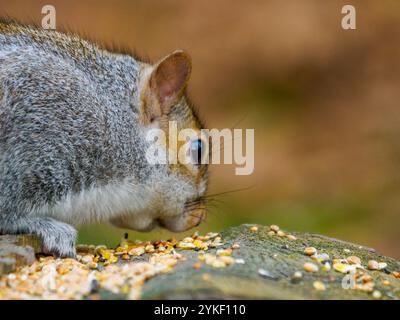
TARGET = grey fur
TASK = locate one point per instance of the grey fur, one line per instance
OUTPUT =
(69, 122)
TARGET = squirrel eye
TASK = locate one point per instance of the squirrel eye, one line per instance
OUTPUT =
(196, 149)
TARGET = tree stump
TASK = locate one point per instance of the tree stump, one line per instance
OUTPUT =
(268, 265)
(17, 250)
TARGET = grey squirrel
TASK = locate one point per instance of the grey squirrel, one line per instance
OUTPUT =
(73, 120)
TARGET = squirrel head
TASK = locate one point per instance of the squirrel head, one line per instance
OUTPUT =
(181, 184)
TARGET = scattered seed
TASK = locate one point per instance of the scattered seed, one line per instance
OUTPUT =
(297, 275)
(218, 264)
(107, 255)
(280, 233)
(347, 250)
(396, 274)
(87, 259)
(382, 265)
(367, 287)
(224, 252)
(254, 229)
(291, 237)
(136, 251)
(24, 277)
(240, 261)
(187, 239)
(310, 267)
(125, 257)
(197, 265)
(149, 248)
(366, 278)
(186, 245)
(99, 248)
(326, 267)
(12, 276)
(376, 294)
(274, 228)
(113, 259)
(343, 268)
(215, 244)
(309, 251)
(322, 257)
(353, 260)
(63, 269)
(386, 283)
(265, 273)
(271, 233)
(201, 256)
(373, 265)
(227, 260)
(200, 244)
(218, 239)
(212, 235)
(236, 246)
(344, 261)
(206, 277)
(319, 286)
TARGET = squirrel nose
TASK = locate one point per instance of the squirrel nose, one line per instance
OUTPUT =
(196, 217)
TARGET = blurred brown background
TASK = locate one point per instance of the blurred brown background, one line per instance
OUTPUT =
(324, 103)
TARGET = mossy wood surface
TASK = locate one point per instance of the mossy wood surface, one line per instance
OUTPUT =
(278, 256)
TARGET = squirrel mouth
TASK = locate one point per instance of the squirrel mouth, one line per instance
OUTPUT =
(187, 220)
(197, 217)
(196, 212)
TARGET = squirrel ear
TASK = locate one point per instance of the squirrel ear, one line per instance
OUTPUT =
(169, 78)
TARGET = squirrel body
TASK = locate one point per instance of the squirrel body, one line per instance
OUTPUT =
(73, 123)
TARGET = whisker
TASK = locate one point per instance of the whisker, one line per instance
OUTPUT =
(209, 201)
(240, 120)
(222, 145)
(228, 192)
(205, 202)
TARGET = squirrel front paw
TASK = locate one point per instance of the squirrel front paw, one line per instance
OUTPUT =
(58, 238)
(60, 241)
